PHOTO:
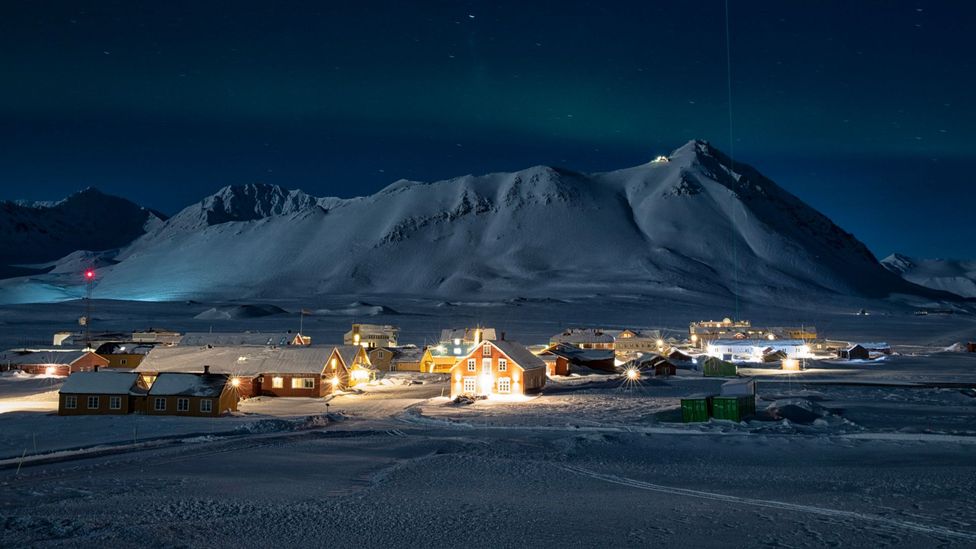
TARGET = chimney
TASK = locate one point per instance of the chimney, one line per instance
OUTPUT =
(206, 369)
(501, 336)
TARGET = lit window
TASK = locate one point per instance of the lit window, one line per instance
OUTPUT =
(469, 385)
(486, 350)
(115, 403)
(296, 383)
(71, 402)
(92, 403)
(486, 365)
(159, 404)
(182, 405)
(308, 383)
(277, 382)
(502, 365)
(206, 405)
(504, 385)
(472, 365)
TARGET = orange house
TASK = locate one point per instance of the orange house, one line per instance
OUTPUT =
(101, 393)
(348, 366)
(58, 362)
(498, 367)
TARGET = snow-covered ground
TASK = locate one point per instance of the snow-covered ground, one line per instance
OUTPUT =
(876, 453)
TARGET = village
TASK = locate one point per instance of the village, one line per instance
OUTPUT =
(210, 374)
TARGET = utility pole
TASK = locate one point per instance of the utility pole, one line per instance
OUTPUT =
(89, 281)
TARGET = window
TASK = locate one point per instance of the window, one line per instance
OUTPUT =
(123, 361)
(379, 354)
(486, 365)
(504, 385)
(296, 383)
(206, 405)
(182, 405)
(70, 402)
(115, 403)
(469, 385)
(92, 403)
(472, 365)
(308, 383)
(502, 365)
(277, 382)
(486, 349)
(159, 404)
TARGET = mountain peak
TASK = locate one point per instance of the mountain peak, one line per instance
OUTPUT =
(253, 201)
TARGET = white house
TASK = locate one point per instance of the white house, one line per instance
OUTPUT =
(752, 350)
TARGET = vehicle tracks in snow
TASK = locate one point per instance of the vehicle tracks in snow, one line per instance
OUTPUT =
(928, 529)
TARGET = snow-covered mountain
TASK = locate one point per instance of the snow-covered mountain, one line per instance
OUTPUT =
(88, 220)
(958, 277)
(689, 226)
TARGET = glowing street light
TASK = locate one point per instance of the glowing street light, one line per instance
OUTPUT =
(633, 374)
(236, 382)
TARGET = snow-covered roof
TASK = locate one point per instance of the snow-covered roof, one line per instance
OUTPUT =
(180, 384)
(581, 355)
(582, 336)
(466, 334)
(348, 354)
(102, 383)
(201, 339)
(21, 357)
(239, 360)
(519, 354)
(764, 343)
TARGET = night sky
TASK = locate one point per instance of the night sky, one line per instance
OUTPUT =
(862, 109)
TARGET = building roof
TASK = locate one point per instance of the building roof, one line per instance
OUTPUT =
(348, 354)
(518, 353)
(576, 354)
(764, 343)
(180, 384)
(375, 329)
(875, 345)
(102, 383)
(201, 339)
(22, 357)
(466, 334)
(581, 335)
(239, 360)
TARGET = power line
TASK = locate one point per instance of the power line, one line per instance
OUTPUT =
(735, 245)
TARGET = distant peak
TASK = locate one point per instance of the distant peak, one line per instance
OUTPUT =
(252, 201)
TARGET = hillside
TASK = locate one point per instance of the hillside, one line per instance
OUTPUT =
(32, 233)
(958, 277)
(690, 226)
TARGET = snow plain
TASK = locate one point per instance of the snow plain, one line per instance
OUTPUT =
(877, 453)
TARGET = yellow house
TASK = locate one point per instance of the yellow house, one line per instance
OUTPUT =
(348, 366)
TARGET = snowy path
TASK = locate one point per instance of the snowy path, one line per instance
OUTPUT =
(779, 505)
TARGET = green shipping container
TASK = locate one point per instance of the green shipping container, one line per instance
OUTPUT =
(696, 408)
(735, 408)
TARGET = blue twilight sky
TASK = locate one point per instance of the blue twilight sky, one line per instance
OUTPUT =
(862, 109)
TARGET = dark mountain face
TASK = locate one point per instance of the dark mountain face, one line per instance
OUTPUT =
(88, 220)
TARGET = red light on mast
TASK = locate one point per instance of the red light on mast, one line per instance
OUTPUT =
(89, 274)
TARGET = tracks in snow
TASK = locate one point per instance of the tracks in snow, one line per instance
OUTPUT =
(932, 530)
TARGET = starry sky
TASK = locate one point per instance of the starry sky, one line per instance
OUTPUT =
(862, 109)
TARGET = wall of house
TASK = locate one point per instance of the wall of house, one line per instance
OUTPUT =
(103, 405)
(381, 359)
(88, 362)
(522, 381)
(123, 360)
(219, 404)
(286, 390)
(41, 369)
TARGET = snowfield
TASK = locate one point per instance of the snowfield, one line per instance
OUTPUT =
(861, 453)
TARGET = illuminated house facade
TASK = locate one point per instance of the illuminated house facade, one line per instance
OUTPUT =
(372, 336)
(754, 350)
(102, 393)
(497, 367)
(56, 362)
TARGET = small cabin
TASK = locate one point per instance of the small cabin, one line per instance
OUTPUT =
(854, 352)
(102, 393)
(184, 394)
